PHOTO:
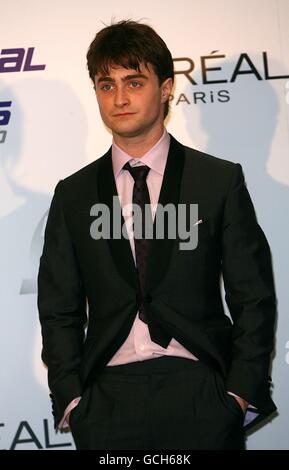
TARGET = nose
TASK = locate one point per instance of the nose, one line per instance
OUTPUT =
(120, 98)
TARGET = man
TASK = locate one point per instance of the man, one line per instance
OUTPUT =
(160, 366)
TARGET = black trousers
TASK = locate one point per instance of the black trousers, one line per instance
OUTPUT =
(163, 403)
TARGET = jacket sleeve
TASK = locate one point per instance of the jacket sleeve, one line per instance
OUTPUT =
(250, 296)
(62, 309)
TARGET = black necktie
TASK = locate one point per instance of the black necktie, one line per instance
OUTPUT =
(142, 246)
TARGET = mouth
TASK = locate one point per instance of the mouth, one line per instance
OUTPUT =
(123, 114)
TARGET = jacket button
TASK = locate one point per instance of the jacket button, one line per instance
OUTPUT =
(148, 298)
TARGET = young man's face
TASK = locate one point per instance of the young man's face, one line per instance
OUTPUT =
(131, 103)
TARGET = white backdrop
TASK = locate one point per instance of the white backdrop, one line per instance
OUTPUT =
(50, 127)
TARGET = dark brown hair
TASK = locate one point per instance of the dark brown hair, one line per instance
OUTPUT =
(128, 43)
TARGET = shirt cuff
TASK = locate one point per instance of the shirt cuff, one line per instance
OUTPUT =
(234, 395)
(63, 423)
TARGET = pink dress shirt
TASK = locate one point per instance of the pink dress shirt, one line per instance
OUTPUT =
(138, 345)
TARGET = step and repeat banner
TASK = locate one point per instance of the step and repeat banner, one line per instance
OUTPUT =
(231, 99)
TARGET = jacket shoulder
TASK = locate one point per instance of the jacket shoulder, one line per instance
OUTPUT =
(215, 171)
(209, 161)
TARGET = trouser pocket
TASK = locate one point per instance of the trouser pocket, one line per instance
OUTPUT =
(227, 400)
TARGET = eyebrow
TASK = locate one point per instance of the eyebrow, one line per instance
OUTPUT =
(127, 77)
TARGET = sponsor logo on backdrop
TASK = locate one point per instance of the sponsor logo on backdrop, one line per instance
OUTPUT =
(18, 60)
(212, 73)
(26, 435)
(5, 114)
(14, 60)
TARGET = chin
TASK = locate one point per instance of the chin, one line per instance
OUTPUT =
(128, 132)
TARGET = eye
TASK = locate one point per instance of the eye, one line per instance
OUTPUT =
(107, 87)
(135, 84)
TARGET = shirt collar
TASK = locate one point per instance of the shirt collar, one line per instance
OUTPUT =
(155, 158)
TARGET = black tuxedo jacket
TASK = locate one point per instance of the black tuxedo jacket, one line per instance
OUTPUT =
(80, 276)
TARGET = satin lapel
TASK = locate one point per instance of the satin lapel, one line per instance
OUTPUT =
(119, 248)
(161, 249)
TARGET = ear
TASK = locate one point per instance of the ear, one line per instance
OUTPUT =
(166, 89)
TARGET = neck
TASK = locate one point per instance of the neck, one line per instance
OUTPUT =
(138, 146)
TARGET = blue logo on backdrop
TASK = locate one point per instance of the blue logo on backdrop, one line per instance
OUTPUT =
(18, 60)
(14, 60)
(5, 115)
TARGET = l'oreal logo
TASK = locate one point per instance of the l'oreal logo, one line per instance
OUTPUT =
(244, 66)
(211, 71)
